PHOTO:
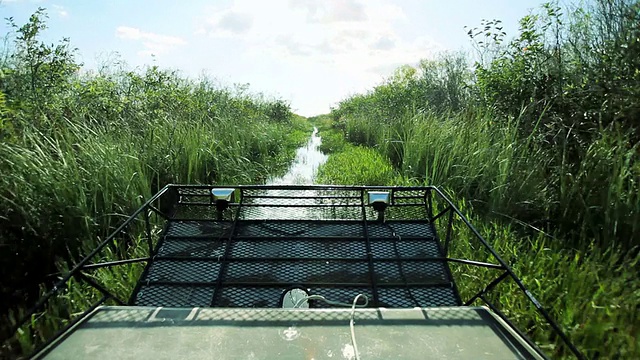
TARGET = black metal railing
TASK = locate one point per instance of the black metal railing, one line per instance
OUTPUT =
(190, 202)
(80, 271)
(507, 273)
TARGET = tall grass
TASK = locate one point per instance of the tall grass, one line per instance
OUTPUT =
(66, 188)
(544, 129)
(594, 200)
(365, 166)
(74, 185)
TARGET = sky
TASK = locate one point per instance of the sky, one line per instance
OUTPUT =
(311, 53)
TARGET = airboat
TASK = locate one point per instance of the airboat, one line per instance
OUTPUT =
(300, 272)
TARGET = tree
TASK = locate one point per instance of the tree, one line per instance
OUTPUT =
(38, 73)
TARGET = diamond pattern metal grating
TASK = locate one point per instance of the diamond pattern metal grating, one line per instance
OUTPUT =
(183, 271)
(174, 296)
(298, 249)
(298, 272)
(300, 229)
(329, 241)
(410, 272)
(411, 249)
(192, 248)
(416, 296)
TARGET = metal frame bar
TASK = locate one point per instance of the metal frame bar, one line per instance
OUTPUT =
(203, 204)
(447, 239)
(399, 262)
(475, 263)
(440, 214)
(331, 284)
(148, 231)
(515, 328)
(78, 267)
(138, 286)
(227, 251)
(429, 193)
(365, 229)
(429, 204)
(447, 269)
(157, 211)
(321, 197)
(487, 288)
(99, 287)
(515, 278)
(59, 334)
(114, 263)
(254, 259)
(333, 259)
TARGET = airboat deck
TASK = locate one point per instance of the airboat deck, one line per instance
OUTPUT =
(226, 333)
(220, 259)
(327, 241)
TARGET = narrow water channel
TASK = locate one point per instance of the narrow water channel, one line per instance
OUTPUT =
(302, 171)
(304, 167)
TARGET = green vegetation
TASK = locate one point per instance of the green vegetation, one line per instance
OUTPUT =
(80, 151)
(541, 140)
(356, 165)
(332, 139)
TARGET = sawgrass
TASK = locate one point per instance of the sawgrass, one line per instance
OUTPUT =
(590, 293)
(80, 151)
(356, 165)
(94, 180)
(77, 296)
(593, 201)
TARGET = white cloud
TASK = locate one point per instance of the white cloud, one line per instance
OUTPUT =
(61, 11)
(384, 43)
(15, 1)
(153, 43)
(235, 22)
(350, 35)
(227, 23)
(314, 52)
(331, 10)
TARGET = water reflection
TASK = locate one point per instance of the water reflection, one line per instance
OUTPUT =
(305, 166)
(302, 171)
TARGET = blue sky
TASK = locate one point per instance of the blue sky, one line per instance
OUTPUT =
(312, 53)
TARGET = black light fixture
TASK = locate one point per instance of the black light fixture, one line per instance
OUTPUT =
(379, 200)
(222, 197)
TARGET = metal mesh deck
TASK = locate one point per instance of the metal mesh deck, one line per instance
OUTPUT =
(328, 241)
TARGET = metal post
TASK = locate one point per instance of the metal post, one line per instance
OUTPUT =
(487, 288)
(148, 228)
(448, 235)
(429, 205)
(365, 229)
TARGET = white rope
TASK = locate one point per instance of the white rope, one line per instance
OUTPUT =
(353, 306)
(335, 303)
(352, 322)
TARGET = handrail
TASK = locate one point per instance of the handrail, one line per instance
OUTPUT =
(515, 278)
(78, 267)
(305, 187)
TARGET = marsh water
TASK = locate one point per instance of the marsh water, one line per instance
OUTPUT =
(302, 171)
(304, 167)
